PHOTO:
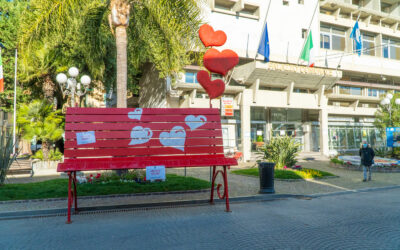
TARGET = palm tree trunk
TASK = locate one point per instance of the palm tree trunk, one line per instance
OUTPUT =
(45, 150)
(122, 70)
(48, 88)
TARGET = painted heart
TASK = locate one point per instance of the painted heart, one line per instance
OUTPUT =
(136, 114)
(209, 37)
(214, 88)
(175, 138)
(140, 135)
(195, 122)
(220, 62)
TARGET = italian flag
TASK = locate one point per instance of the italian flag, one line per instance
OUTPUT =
(1, 75)
(308, 51)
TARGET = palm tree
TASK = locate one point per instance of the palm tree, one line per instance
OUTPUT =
(162, 32)
(38, 119)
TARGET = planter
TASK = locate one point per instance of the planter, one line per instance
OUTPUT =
(44, 167)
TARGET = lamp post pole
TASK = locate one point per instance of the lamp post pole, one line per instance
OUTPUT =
(70, 86)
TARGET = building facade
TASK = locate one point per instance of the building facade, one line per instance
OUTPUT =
(329, 107)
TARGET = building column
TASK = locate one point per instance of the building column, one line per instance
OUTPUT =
(323, 131)
(246, 100)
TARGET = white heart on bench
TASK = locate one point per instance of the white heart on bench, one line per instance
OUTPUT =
(140, 135)
(195, 122)
(136, 114)
(175, 138)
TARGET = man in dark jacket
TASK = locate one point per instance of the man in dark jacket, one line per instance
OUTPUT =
(367, 158)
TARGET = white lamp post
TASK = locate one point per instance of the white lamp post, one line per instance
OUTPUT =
(386, 102)
(70, 86)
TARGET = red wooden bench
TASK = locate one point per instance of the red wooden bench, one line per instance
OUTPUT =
(122, 138)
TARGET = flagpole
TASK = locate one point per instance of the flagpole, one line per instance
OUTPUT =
(265, 23)
(308, 32)
(15, 101)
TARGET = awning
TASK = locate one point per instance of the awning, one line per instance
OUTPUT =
(274, 74)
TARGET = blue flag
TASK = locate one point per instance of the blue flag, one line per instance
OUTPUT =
(356, 35)
(263, 47)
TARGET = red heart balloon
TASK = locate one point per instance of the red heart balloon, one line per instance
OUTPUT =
(209, 37)
(214, 88)
(220, 62)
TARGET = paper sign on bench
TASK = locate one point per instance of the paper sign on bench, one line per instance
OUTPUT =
(155, 173)
(85, 137)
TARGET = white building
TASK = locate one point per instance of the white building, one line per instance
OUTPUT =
(328, 107)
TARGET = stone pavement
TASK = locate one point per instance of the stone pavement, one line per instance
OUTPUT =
(367, 220)
(238, 185)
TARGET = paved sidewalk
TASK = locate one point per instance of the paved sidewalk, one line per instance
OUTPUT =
(239, 186)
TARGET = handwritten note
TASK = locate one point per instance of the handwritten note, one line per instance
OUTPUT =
(85, 137)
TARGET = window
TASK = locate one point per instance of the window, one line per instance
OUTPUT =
(285, 2)
(333, 38)
(350, 90)
(368, 44)
(391, 48)
(373, 92)
(385, 7)
(191, 77)
(296, 90)
(301, 2)
(303, 33)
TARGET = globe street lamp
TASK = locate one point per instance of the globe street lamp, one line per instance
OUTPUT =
(386, 102)
(70, 86)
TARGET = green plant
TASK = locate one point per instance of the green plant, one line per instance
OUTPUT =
(337, 161)
(260, 138)
(383, 151)
(282, 151)
(38, 155)
(54, 155)
(6, 153)
(38, 119)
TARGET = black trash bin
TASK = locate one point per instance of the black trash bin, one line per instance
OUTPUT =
(266, 172)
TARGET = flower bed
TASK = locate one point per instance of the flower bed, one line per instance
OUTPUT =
(392, 168)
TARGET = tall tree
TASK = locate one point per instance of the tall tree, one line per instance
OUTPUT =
(162, 32)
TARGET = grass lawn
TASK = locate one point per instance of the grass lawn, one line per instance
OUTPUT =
(58, 188)
(305, 173)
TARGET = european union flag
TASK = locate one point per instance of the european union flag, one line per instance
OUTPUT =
(263, 47)
(356, 35)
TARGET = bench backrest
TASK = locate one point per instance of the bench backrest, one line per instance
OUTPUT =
(127, 132)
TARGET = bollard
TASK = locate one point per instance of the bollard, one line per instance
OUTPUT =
(266, 172)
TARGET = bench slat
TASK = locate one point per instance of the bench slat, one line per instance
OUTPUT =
(143, 162)
(125, 118)
(151, 111)
(154, 142)
(129, 126)
(141, 151)
(71, 135)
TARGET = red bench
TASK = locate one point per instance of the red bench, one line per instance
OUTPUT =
(122, 138)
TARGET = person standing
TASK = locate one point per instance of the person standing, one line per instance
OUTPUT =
(367, 158)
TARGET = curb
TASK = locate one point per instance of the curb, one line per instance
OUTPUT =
(363, 190)
(107, 196)
(145, 206)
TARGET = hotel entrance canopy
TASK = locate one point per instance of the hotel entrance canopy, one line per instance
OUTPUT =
(273, 74)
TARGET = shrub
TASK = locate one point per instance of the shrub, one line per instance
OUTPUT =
(260, 138)
(282, 151)
(337, 161)
(383, 152)
(6, 153)
(54, 155)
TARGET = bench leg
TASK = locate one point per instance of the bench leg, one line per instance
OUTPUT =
(212, 186)
(69, 198)
(75, 194)
(226, 191)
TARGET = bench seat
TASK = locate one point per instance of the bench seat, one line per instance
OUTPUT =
(143, 162)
